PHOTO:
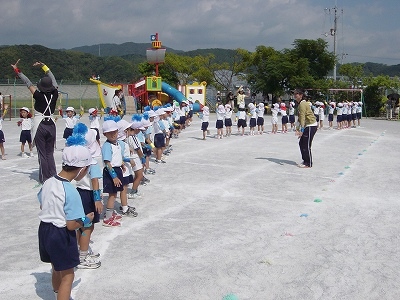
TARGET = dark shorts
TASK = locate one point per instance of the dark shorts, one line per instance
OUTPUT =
(291, 119)
(348, 117)
(108, 183)
(358, 116)
(228, 122)
(182, 120)
(25, 136)
(354, 116)
(97, 134)
(339, 118)
(241, 123)
(253, 122)
(159, 140)
(58, 246)
(316, 117)
(190, 114)
(88, 203)
(330, 117)
(219, 124)
(260, 121)
(67, 132)
(204, 126)
(146, 151)
(285, 119)
(125, 180)
(2, 139)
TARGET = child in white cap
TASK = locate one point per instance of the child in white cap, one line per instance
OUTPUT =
(331, 110)
(94, 120)
(89, 190)
(26, 125)
(71, 119)
(260, 117)
(285, 118)
(129, 163)
(205, 118)
(339, 115)
(159, 135)
(228, 119)
(253, 118)
(219, 123)
(112, 155)
(274, 119)
(136, 154)
(241, 115)
(61, 215)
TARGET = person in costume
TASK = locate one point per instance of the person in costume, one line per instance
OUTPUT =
(44, 127)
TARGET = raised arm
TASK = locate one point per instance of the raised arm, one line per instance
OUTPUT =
(25, 79)
(48, 72)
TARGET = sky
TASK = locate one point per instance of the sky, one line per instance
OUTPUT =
(367, 30)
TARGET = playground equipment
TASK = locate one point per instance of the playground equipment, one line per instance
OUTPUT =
(106, 92)
(152, 88)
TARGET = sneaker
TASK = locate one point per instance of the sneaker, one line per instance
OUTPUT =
(303, 166)
(160, 161)
(89, 263)
(134, 195)
(116, 216)
(146, 179)
(129, 207)
(31, 154)
(24, 155)
(152, 171)
(92, 254)
(111, 222)
(142, 182)
(130, 212)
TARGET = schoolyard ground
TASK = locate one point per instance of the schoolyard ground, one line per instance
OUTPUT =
(230, 219)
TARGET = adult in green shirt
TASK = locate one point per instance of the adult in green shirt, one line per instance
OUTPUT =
(306, 129)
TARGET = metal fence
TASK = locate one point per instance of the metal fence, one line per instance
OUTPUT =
(78, 93)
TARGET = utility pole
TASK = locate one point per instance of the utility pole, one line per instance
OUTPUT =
(333, 32)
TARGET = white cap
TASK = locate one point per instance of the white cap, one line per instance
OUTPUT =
(92, 143)
(109, 125)
(92, 110)
(70, 108)
(77, 156)
(25, 108)
(145, 123)
(138, 125)
(160, 111)
(122, 126)
(152, 113)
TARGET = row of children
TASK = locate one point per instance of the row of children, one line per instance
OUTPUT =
(65, 232)
(254, 116)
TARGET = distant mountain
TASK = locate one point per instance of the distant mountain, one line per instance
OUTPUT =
(124, 49)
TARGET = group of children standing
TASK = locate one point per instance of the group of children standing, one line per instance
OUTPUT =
(119, 164)
(348, 116)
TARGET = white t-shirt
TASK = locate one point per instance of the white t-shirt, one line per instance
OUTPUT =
(60, 202)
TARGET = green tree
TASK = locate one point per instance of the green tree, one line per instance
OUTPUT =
(354, 72)
(320, 60)
(374, 94)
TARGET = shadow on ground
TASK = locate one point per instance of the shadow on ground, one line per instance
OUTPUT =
(279, 161)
